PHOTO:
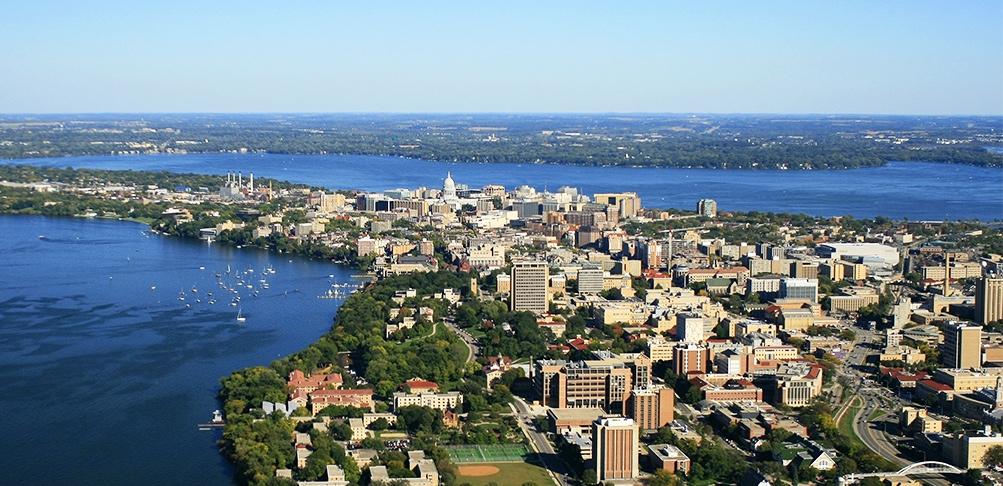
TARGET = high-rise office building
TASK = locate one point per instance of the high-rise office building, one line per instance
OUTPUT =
(962, 346)
(651, 408)
(690, 359)
(614, 447)
(627, 203)
(529, 287)
(590, 280)
(988, 299)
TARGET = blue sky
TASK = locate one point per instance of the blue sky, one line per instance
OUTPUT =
(916, 57)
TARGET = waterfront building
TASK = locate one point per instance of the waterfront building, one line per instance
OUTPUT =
(321, 399)
(529, 287)
(615, 442)
(707, 207)
(627, 203)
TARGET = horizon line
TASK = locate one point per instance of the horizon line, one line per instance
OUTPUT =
(487, 113)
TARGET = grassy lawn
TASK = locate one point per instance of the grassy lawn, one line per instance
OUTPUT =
(876, 414)
(509, 474)
(846, 422)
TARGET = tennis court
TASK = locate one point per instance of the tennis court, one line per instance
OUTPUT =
(466, 454)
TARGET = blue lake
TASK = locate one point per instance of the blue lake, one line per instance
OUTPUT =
(914, 190)
(105, 373)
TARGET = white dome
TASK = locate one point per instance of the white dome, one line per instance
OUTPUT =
(448, 187)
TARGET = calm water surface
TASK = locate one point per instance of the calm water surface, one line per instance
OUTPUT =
(105, 372)
(916, 190)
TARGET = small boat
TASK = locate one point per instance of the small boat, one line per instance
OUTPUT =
(240, 318)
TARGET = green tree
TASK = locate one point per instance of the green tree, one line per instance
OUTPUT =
(993, 457)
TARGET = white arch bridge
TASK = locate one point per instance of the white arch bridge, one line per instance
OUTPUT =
(915, 469)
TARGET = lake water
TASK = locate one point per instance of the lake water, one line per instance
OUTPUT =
(914, 190)
(105, 372)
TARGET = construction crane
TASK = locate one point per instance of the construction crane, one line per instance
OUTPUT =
(673, 230)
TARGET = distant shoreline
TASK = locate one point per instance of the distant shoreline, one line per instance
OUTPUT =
(754, 142)
(568, 164)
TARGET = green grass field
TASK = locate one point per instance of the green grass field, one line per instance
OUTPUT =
(846, 422)
(876, 415)
(509, 474)
(471, 454)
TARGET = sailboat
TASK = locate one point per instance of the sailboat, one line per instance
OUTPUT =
(240, 318)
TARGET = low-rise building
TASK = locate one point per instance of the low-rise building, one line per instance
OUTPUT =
(966, 449)
(668, 458)
(439, 401)
(321, 399)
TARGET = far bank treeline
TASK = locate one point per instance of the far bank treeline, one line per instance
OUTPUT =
(706, 141)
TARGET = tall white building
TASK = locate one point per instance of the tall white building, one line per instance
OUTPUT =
(689, 327)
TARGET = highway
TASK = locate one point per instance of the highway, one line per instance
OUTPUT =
(875, 397)
(871, 433)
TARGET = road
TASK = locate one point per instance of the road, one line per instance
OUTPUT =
(467, 339)
(872, 433)
(538, 440)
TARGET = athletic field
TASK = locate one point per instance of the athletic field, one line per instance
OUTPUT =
(466, 454)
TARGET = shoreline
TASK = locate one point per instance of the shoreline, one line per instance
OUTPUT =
(884, 163)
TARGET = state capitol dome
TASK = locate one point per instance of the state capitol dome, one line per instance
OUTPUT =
(448, 188)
